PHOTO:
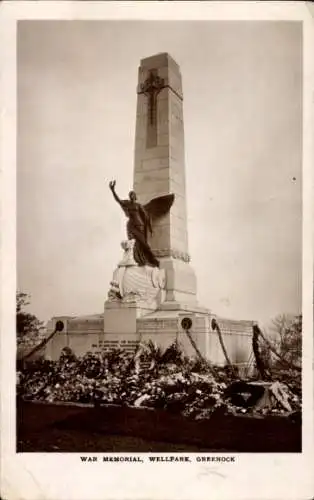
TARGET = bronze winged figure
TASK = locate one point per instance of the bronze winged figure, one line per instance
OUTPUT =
(140, 218)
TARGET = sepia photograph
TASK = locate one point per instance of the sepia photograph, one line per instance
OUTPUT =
(157, 264)
(159, 225)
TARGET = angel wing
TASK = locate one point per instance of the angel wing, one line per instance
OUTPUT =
(157, 207)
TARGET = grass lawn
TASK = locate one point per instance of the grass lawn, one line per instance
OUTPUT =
(70, 428)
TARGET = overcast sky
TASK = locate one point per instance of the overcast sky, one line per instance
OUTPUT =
(242, 86)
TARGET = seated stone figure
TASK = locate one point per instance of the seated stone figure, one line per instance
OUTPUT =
(133, 282)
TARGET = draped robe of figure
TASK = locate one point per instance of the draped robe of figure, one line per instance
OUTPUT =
(140, 219)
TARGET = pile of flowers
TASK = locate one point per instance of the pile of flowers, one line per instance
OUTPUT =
(170, 382)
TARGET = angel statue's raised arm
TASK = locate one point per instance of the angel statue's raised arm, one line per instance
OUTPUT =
(140, 218)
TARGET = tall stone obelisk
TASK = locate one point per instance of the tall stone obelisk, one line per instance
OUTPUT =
(159, 169)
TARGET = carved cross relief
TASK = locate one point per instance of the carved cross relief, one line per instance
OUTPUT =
(151, 88)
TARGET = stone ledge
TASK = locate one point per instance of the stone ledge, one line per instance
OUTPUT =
(181, 307)
(119, 304)
(175, 254)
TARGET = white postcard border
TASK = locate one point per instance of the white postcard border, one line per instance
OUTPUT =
(62, 476)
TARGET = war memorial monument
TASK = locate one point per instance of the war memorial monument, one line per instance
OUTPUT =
(154, 285)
